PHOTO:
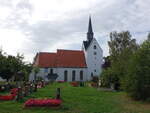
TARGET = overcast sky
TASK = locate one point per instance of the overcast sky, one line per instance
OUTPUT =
(31, 26)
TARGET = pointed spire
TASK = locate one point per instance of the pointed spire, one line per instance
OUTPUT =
(90, 30)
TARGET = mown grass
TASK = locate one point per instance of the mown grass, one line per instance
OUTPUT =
(79, 100)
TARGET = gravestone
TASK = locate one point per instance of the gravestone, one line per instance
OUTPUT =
(81, 84)
(35, 87)
(58, 93)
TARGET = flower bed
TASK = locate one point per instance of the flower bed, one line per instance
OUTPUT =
(7, 97)
(75, 84)
(14, 91)
(11, 96)
(43, 103)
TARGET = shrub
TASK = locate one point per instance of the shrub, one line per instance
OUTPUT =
(109, 76)
(95, 79)
(137, 81)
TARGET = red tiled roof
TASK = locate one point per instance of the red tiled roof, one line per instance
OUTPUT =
(63, 58)
(45, 60)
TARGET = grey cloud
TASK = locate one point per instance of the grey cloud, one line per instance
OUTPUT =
(18, 15)
(121, 15)
(117, 15)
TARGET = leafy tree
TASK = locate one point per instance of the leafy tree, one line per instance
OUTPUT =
(35, 70)
(138, 75)
(107, 62)
(13, 66)
(121, 47)
(27, 68)
(5, 68)
(119, 44)
(149, 37)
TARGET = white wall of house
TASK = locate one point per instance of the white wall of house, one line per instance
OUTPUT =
(94, 59)
(60, 71)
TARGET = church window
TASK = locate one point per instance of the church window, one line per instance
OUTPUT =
(95, 53)
(95, 70)
(94, 46)
(91, 74)
(73, 75)
(46, 70)
(51, 71)
(81, 75)
(65, 75)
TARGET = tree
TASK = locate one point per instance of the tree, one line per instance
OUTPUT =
(35, 70)
(13, 66)
(119, 44)
(138, 75)
(10, 65)
(107, 62)
(16, 63)
(121, 47)
(27, 68)
(148, 37)
(5, 68)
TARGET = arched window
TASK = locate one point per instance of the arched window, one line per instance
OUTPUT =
(46, 70)
(95, 53)
(91, 74)
(51, 71)
(81, 75)
(65, 75)
(73, 75)
(94, 46)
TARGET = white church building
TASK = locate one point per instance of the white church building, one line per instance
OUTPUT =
(71, 65)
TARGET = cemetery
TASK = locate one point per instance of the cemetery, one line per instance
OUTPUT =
(79, 81)
(63, 97)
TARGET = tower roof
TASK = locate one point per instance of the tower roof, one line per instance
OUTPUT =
(89, 35)
(90, 30)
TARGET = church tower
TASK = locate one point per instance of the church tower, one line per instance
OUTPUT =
(90, 31)
(93, 53)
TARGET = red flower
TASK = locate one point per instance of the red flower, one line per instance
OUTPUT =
(14, 91)
(42, 103)
(75, 84)
(7, 97)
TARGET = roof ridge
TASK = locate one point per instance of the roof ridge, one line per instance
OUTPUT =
(49, 52)
(67, 50)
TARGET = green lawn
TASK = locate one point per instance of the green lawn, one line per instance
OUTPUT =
(79, 100)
